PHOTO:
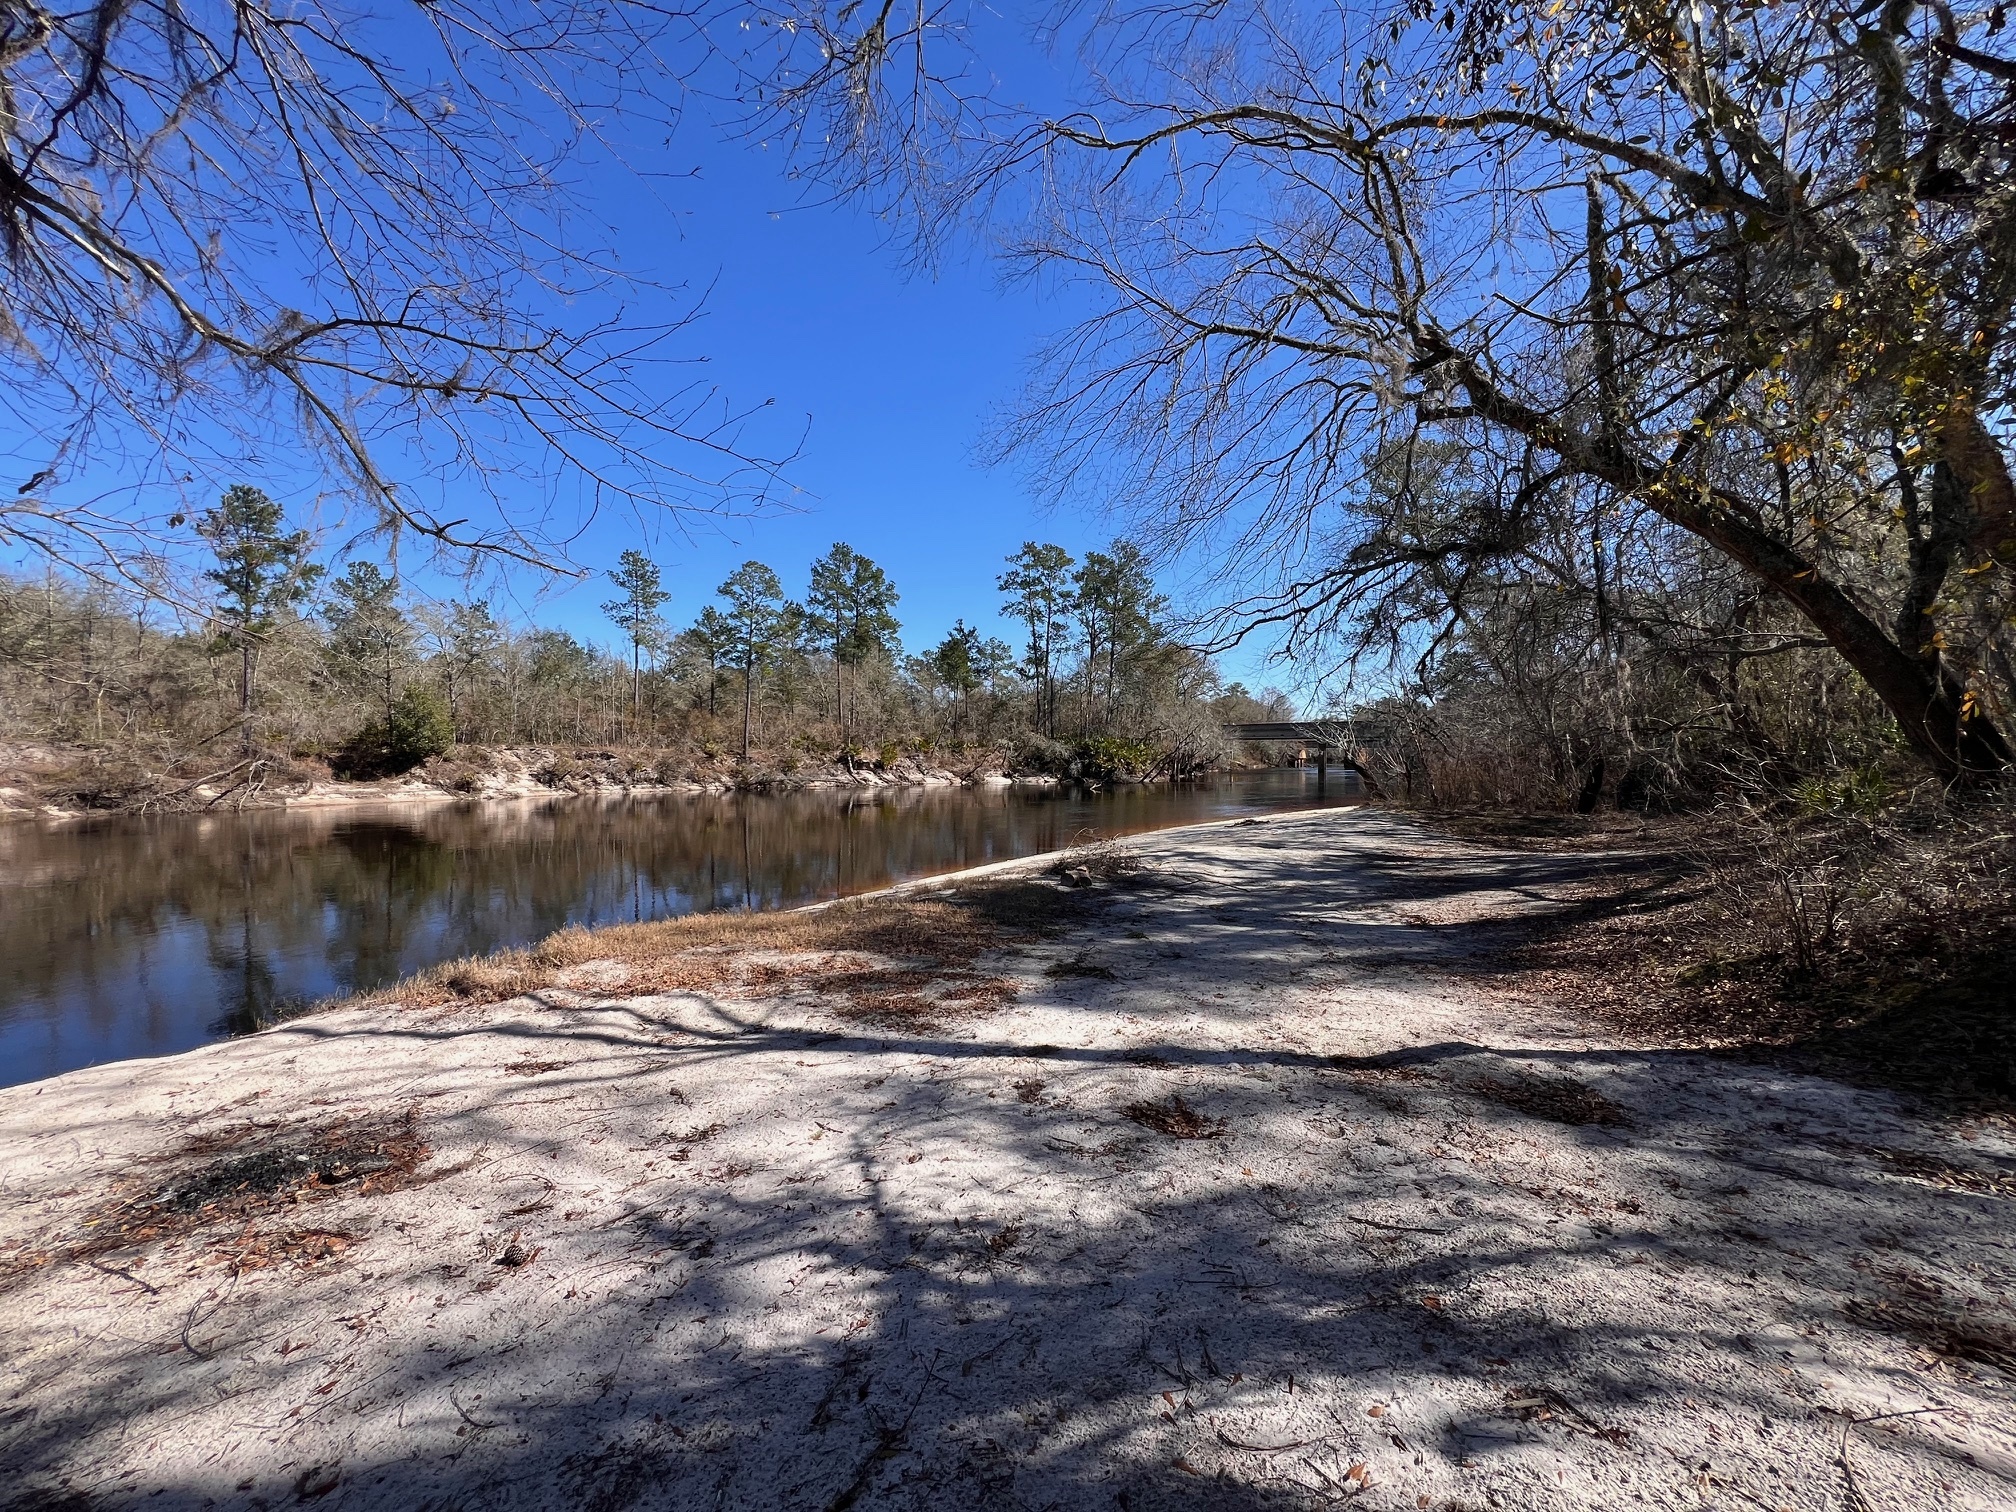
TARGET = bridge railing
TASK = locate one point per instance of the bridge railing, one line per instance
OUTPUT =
(1340, 734)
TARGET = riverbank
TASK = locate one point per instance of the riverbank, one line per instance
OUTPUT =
(59, 783)
(1204, 1172)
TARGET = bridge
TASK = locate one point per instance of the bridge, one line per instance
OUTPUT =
(1346, 736)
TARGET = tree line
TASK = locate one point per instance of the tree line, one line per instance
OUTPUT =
(1663, 353)
(284, 654)
(1631, 381)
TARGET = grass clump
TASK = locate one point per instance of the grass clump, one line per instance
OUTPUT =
(892, 961)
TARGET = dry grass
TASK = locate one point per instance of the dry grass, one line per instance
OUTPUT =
(1876, 949)
(893, 962)
(1529, 830)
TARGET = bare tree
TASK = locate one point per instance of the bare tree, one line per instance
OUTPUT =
(1746, 272)
(230, 225)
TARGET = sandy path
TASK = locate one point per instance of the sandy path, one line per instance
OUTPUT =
(947, 1270)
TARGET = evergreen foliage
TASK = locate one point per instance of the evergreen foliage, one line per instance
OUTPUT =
(262, 571)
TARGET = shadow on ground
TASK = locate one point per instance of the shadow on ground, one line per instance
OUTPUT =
(1426, 1252)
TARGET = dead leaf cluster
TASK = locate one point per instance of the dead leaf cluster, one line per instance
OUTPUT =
(247, 1174)
(1916, 1165)
(1557, 1099)
(1950, 1329)
(1177, 1119)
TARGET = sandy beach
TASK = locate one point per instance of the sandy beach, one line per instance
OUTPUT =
(1226, 1187)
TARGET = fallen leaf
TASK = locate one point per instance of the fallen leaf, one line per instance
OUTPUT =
(317, 1480)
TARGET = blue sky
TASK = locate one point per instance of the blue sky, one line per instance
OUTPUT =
(886, 378)
(892, 376)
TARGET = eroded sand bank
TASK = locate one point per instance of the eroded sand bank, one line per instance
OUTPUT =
(1246, 1199)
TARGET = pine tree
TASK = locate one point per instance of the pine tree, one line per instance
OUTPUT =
(261, 572)
(1038, 585)
(473, 640)
(756, 612)
(370, 638)
(848, 610)
(637, 612)
(1116, 605)
(710, 640)
(952, 660)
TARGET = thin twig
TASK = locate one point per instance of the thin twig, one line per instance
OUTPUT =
(127, 1275)
(464, 1412)
(1396, 1228)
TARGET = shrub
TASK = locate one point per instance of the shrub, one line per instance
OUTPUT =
(1105, 758)
(416, 728)
(1035, 753)
(559, 772)
(99, 781)
(1109, 758)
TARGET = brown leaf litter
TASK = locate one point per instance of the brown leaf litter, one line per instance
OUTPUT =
(1081, 965)
(1558, 1099)
(1948, 1334)
(1949, 1327)
(1916, 1165)
(1177, 1119)
(242, 1176)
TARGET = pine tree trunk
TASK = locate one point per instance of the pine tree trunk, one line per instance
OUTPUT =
(748, 703)
(245, 694)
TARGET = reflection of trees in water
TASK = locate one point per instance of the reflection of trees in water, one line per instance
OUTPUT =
(250, 993)
(383, 899)
(287, 906)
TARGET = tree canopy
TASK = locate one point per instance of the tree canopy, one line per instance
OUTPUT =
(341, 232)
(1722, 281)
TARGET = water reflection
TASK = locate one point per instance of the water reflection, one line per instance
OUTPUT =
(144, 937)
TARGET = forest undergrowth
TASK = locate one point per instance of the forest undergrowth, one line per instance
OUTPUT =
(1830, 931)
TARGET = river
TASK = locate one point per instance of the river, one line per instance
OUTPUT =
(130, 937)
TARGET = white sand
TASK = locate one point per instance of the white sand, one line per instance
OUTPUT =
(896, 1279)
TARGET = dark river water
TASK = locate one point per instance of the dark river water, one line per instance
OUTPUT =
(132, 937)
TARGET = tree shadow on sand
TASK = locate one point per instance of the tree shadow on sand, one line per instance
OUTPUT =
(1417, 1273)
